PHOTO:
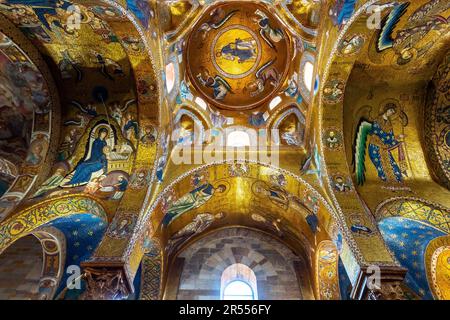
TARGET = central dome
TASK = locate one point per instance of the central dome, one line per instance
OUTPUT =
(238, 58)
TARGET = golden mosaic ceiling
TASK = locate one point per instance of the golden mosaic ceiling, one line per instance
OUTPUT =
(347, 126)
(238, 55)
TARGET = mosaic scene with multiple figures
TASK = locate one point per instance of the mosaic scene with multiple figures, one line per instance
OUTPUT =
(224, 150)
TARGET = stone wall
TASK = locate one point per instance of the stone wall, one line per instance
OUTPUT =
(20, 270)
(271, 261)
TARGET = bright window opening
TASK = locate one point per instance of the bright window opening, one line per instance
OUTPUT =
(238, 283)
(199, 101)
(170, 77)
(275, 101)
(308, 74)
(238, 139)
(238, 290)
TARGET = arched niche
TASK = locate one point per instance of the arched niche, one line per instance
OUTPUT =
(110, 73)
(176, 16)
(408, 239)
(305, 16)
(197, 272)
(307, 75)
(436, 124)
(32, 268)
(29, 118)
(410, 228)
(418, 209)
(238, 138)
(189, 127)
(354, 75)
(288, 127)
(278, 202)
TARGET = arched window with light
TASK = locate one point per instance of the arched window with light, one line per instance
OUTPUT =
(238, 283)
(170, 77)
(307, 76)
(238, 138)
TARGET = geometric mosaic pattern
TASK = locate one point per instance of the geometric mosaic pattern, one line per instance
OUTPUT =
(416, 210)
(151, 278)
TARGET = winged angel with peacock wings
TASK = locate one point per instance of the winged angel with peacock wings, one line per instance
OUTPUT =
(386, 149)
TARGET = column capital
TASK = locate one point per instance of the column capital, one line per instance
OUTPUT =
(390, 284)
(105, 282)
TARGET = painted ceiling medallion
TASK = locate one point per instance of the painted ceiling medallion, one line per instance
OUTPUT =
(223, 54)
(238, 57)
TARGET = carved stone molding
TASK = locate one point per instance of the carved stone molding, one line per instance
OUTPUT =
(391, 285)
(388, 291)
(105, 284)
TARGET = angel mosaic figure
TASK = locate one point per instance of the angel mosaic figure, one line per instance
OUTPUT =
(200, 223)
(191, 200)
(313, 164)
(218, 17)
(268, 33)
(219, 85)
(276, 194)
(84, 115)
(406, 41)
(266, 74)
(272, 222)
(342, 11)
(119, 112)
(68, 64)
(292, 136)
(51, 183)
(382, 144)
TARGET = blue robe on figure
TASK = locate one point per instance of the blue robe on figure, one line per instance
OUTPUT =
(239, 49)
(313, 222)
(346, 11)
(97, 161)
(375, 152)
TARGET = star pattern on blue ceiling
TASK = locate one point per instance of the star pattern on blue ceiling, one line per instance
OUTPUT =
(408, 240)
(83, 233)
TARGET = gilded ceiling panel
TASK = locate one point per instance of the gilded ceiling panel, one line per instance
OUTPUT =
(238, 56)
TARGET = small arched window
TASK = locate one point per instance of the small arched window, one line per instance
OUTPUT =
(170, 77)
(238, 138)
(238, 290)
(201, 103)
(308, 75)
(275, 102)
(238, 283)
